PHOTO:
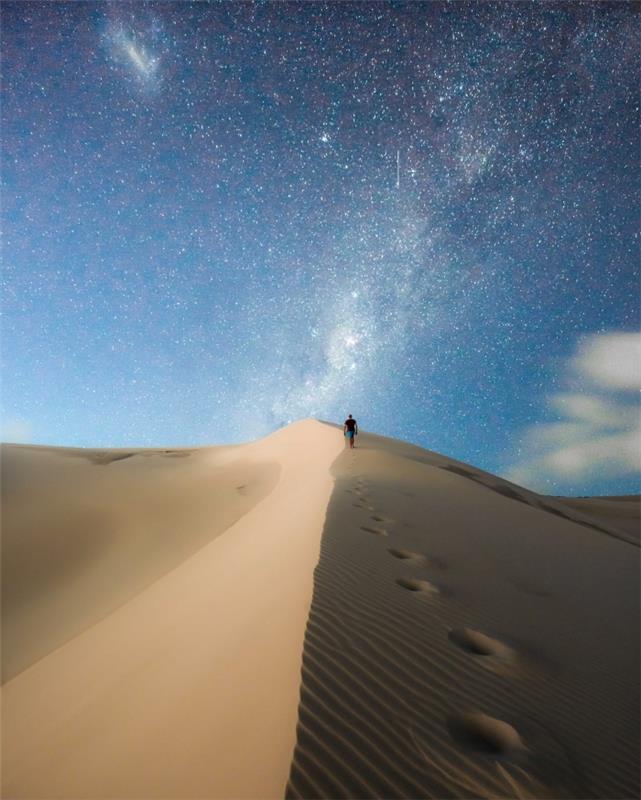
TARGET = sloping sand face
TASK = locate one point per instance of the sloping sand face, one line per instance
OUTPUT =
(623, 512)
(86, 530)
(467, 638)
(154, 608)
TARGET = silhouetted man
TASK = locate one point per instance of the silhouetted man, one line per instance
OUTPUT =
(350, 429)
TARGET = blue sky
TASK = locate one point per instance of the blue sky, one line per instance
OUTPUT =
(219, 218)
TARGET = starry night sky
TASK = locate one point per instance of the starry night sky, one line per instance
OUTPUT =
(220, 218)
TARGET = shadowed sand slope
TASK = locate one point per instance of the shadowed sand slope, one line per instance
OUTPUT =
(467, 638)
(621, 512)
(154, 611)
(86, 530)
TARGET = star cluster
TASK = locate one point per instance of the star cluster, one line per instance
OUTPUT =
(221, 217)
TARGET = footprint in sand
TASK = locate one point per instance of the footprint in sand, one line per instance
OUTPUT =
(485, 734)
(377, 531)
(479, 644)
(417, 559)
(495, 655)
(376, 518)
(417, 586)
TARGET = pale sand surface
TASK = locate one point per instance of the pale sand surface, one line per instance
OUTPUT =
(621, 512)
(176, 603)
(86, 530)
(465, 637)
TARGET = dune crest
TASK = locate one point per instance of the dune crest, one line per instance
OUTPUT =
(482, 647)
(188, 688)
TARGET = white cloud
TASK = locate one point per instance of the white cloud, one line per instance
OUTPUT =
(611, 359)
(593, 410)
(599, 433)
(613, 454)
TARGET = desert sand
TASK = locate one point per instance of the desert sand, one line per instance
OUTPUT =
(620, 512)
(291, 618)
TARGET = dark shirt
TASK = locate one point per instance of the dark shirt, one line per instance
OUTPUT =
(351, 424)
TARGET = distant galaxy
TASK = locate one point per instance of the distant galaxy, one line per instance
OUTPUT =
(134, 54)
(134, 48)
(222, 217)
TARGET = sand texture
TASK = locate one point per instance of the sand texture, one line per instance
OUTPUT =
(466, 639)
(290, 618)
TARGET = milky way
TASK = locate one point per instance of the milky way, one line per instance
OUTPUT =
(219, 218)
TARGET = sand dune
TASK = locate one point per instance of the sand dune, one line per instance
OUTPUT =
(621, 512)
(289, 618)
(467, 638)
(88, 530)
(189, 688)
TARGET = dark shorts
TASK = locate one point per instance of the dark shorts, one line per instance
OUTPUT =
(349, 434)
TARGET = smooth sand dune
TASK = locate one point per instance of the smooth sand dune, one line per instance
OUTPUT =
(86, 530)
(450, 634)
(180, 680)
(620, 512)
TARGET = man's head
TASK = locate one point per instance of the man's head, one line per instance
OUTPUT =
(349, 416)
